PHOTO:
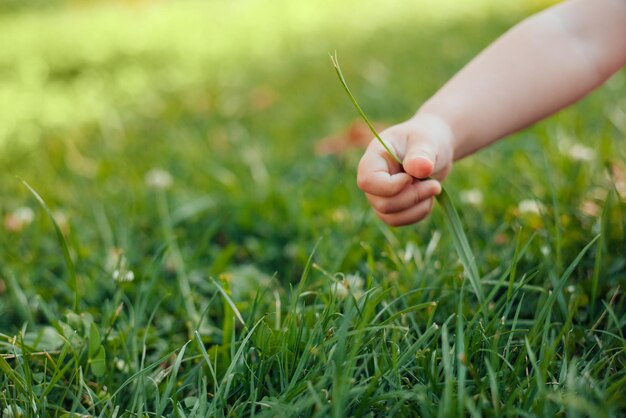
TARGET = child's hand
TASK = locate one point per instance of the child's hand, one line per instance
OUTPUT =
(402, 195)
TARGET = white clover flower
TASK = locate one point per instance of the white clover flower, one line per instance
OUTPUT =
(158, 178)
(25, 214)
(352, 283)
(117, 264)
(12, 411)
(472, 197)
(580, 152)
(19, 219)
(530, 207)
(120, 364)
(123, 275)
(340, 290)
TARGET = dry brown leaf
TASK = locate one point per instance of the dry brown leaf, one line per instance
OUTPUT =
(356, 135)
(262, 97)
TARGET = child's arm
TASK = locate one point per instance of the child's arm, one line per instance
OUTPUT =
(543, 64)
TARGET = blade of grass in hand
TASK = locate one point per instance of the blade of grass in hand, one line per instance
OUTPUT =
(459, 239)
(358, 108)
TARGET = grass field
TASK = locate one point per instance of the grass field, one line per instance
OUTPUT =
(204, 260)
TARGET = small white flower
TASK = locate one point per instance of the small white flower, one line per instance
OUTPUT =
(432, 244)
(579, 152)
(19, 219)
(352, 283)
(340, 290)
(25, 214)
(117, 264)
(158, 178)
(120, 364)
(472, 197)
(530, 207)
(12, 412)
(121, 276)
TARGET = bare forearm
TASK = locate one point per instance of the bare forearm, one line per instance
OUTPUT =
(540, 66)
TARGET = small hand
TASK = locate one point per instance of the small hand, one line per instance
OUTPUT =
(402, 195)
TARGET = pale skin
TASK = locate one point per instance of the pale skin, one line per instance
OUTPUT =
(543, 64)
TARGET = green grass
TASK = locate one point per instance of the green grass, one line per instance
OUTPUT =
(262, 283)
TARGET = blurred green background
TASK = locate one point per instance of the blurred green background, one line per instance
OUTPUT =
(230, 99)
(176, 145)
(71, 66)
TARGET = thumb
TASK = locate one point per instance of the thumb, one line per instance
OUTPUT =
(420, 159)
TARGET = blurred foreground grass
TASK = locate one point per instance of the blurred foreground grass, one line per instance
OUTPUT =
(104, 105)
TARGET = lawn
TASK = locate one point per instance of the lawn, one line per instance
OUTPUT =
(173, 243)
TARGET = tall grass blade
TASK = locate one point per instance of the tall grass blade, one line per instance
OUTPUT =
(172, 380)
(558, 288)
(222, 392)
(358, 108)
(461, 244)
(599, 257)
(230, 302)
(207, 359)
(451, 216)
(71, 268)
(15, 378)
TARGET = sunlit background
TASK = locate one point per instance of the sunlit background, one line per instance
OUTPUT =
(237, 105)
(197, 156)
(71, 66)
(237, 102)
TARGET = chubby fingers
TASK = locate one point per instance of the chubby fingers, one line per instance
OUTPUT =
(410, 205)
(379, 175)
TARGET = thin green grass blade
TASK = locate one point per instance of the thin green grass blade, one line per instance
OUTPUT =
(461, 244)
(358, 108)
(493, 386)
(448, 375)
(142, 372)
(172, 380)
(599, 257)
(222, 392)
(181, 272)
(71, 268)
(560, 285)
(459, 239)
(461, 358)
(15, 378)
(207, 359)
(532, 359)
(230, 302)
